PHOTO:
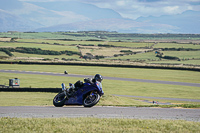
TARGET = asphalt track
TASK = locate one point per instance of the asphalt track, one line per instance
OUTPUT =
(100, 112)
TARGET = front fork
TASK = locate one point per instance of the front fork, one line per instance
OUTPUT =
(64, 89)
(91, 94)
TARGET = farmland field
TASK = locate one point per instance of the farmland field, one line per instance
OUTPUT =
(102, 47)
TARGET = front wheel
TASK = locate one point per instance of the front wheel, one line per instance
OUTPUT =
(91, 100)
(59, 99)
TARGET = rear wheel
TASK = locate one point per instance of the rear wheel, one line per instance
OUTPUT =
(91, 100)
(59, 99)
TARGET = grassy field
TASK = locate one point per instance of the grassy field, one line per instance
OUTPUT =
(137, 57)
(96, 125)
(40, 45)
(3, 54)
(113, 44)
(185, 55)
(106, 35)
(32, 57)
(176, 45)
(93, 125)
(110, 86)
(138, 73)
(46, 99)
(189, 62)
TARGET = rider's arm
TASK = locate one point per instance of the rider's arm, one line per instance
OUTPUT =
(99, 86)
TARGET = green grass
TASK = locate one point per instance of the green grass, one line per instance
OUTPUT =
(46, 99)
(188, 62)
(37, 81)
(95, 125)
(176, 45)
(3, 54)
(151, 90)
(136, 57)
(183, 54)
(129, 44)
(26, 99)
(138, 73)
(34, 57)
(45, 42)
(42, 46)
(66, 43)
(110, 86)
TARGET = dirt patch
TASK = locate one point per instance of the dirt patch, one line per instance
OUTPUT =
(5, 39)
(95, 50)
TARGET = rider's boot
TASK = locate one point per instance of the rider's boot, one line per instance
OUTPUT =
(70, 90)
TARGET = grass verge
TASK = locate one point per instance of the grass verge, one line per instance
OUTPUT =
(94, 125)
(109, 86)
(46, 99)
(138, 73)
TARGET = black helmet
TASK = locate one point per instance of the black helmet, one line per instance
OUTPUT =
(98, 77)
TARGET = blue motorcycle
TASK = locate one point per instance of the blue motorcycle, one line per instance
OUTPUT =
(87, 95)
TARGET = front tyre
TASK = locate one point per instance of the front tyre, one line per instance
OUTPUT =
(59, 99)
(91, 100)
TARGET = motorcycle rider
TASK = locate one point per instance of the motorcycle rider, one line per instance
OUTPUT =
(96, 80)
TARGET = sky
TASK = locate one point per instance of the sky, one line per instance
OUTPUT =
(133, 9)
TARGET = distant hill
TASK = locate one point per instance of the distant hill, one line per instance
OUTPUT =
(186, 22)
(119, 25)
(10, 22)
(78, 16)
(90, 11)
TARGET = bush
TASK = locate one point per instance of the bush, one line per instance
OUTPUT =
(105, 45)
(7, 51)
(171, 57)
(36, 51)
(126, 51)
(99, 57)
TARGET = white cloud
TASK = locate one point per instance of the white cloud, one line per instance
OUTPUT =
(136, 8)
(70, 17)
(171, 9)
(121, 3)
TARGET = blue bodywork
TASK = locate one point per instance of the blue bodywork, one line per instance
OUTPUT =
(77, 97)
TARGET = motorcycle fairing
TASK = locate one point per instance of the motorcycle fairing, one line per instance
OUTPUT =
(77, 97)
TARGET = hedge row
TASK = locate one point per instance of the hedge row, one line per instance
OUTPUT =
(103, 65)
(37, 51)
(177, 49)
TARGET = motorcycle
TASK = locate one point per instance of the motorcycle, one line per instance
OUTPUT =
(87, 95)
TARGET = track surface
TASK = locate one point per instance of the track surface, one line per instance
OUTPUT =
(100, 112)
(110, 78)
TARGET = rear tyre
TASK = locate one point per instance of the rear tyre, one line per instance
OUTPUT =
(91, 100)
(59, 99)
